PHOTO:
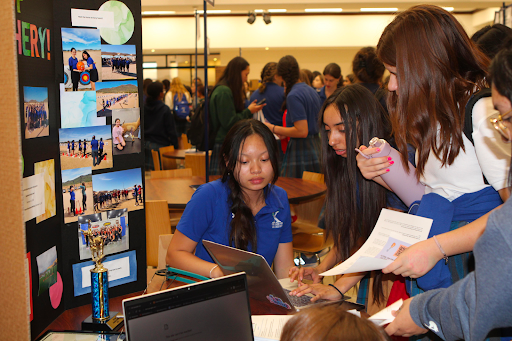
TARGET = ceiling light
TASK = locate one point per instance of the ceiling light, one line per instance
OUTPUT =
(214, 59)
(149, 65)
(379, 9)
(267, 48)
(186, 61)
(152, 50)
(266, 18)
(258, 11)
(323, 10)
(449, 9)
(252, 17)
(277, 10)
(158, 12)
(215, 11)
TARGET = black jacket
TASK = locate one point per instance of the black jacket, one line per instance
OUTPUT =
(159, 126)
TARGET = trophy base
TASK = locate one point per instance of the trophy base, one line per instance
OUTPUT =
(114, 323)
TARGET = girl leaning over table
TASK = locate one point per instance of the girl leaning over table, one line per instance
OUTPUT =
(243, 209)
(353, 204)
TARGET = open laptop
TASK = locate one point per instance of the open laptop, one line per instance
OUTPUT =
(216, 309)
(263, 284)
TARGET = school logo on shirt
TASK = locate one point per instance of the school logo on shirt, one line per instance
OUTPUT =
(276, 224)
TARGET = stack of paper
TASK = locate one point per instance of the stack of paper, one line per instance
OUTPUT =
(268, 327)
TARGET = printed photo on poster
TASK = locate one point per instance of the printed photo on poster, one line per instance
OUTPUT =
(47, 168)
(116, 95)
(78, 109)
(114, 232)
(36, 112)
(86, 147)
(118, 190)
(126, 131)
(118, 62)
(81, 49)
(77, 193)
(47, 269)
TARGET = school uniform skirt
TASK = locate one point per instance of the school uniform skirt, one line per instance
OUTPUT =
(302, 154)
(94, 75)
(214, 160)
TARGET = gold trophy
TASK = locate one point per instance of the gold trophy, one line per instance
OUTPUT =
(100, 319)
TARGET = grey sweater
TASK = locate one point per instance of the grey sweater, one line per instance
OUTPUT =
(482, 301)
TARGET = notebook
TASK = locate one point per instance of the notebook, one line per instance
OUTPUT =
(263, 284)
(216, 309)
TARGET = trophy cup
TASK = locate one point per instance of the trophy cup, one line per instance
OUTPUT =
(100, 319)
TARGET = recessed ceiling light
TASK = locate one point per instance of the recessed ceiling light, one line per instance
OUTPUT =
(214, 59)
(449, 9)
(215, 11)
(186, 61)
(258, 11)
(277, 10)
(157, 12)
(267, 48)
(152, 50)
(149, 65)
(323, 10)
(379, 9)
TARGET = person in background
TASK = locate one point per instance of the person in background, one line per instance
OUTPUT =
(196, 83)
(349, 79)
(84, 196)
(178, 94)
(227, 105)
(159, 127)
(145, 85)
(332, 80)
(72, 200)
(167, 86)
(101, 144)
(318, 81)
(94, 151)
(303, 105)
(273, 95)
(491, 39)
(304, 77)
(309, 75)
(244, 209)
(368, 70)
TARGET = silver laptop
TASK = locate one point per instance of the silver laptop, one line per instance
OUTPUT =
(216, 309)
(262, 282)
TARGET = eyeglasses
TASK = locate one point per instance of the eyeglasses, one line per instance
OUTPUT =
(500, 126)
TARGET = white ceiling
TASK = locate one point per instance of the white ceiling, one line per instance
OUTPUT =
(297, 6)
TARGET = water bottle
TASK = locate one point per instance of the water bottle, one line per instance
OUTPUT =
(404, 184)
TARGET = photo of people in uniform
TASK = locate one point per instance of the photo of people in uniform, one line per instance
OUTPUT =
(36, 112)
(118, 62)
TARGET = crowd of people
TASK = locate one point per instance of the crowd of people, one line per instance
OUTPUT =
(118, 64)
(36, 116)
(110, 234)
(107, 199)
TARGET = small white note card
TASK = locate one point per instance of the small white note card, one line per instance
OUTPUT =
(91, 18)
(33, 196)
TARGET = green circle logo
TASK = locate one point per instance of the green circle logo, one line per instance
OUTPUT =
(123, 23)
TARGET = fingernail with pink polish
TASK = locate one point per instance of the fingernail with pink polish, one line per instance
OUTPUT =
(389, 158)
(391, 162)
(378, 150)
(387, 170)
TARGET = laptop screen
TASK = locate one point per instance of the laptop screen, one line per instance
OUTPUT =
(211, 310)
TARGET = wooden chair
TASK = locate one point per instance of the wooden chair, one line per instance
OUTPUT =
(156, 160)
(163, 244)
(157, 223)
(166, 162)
(307, 236)
(172, 173)
(184, 142)
(197, 162)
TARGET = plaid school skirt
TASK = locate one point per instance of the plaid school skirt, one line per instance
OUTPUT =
(301, 155)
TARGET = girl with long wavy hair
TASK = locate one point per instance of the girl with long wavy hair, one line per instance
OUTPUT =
(435, 71)
(243, 209)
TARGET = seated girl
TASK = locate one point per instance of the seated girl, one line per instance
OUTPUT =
(243, 209)
(353, 204)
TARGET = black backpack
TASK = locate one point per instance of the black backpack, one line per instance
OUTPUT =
(196, 132)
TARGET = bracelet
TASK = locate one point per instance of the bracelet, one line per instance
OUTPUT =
(273, 129)
(212, 270)
(338, 290)
(445, 257)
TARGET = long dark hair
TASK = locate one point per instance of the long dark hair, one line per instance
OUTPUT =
(366, 65)
(267, 75)
(500, 75)
(232, 78)
(438, 68)
(288, 69)
(353, 204)
(87, 54)
(243, 229)
(334, 70)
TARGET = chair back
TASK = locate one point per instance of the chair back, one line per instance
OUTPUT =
(167, 163)
(157, 223)
(184, 142)
(156, 160)
(197, 163)
(163, 244)
(318, 177)
(172, 173)
(308, 211)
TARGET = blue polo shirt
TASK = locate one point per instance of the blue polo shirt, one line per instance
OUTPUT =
(303, 103)
(94, 144)
(208, 216)
(90, 62)
(322, 95)
(274, 95)
(72, 63)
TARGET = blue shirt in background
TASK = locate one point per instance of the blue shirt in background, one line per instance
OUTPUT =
(274, 95)
(94, 144)
(303, 103)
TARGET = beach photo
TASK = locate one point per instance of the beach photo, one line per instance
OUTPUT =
(126, 131)
(114, 232)
(81, 52)
(76, 147)
(118, 62)
(78, 109)
(77, 193)
(36, 112)
(47, 269)
(118, 190)
(116, 95)
(47, 168)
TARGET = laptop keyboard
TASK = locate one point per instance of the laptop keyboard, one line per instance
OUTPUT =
(298, 301)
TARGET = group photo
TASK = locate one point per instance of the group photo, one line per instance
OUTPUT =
(77, 193)
(36, 112)
(116, 95)
(118, 62)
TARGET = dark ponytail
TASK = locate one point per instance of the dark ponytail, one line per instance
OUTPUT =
(243, 228)
(267, 75)
(288, 68)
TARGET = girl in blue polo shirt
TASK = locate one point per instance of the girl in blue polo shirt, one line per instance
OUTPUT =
(75, 73)
(243, 209)
(91, 67)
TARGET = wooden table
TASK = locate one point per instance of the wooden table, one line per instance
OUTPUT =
(176, 154)
(177, 191)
